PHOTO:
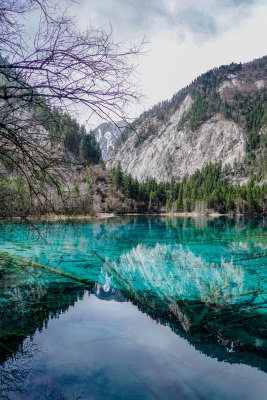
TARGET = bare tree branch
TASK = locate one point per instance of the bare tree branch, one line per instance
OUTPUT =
(59, 66)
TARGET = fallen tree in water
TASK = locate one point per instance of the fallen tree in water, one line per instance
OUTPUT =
(216, 319)
(19, 262)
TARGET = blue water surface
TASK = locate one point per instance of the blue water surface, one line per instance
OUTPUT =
(156, 321)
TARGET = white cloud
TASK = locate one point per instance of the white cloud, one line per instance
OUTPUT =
(172, 63)
(186, 38)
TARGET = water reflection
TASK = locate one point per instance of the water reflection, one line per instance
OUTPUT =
(16, 372)
(207, 284)
(109, 349)
(207, 303)
(176, 272)
(28, 302)
(27, 306)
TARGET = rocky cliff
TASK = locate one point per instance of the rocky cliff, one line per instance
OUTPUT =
(107, 134)
(209, 121)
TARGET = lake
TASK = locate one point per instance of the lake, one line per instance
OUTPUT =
(169, 308)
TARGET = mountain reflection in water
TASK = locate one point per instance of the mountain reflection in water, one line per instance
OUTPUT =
(206, 303)
(218, 307)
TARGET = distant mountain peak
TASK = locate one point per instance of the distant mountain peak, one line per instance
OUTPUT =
(107, 134)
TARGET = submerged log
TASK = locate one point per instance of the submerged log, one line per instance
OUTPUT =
(17, 260)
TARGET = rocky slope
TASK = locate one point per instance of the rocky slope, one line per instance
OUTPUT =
(206, 122)
(107, 134)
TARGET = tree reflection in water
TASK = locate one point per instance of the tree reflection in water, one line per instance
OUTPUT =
(205, 303)
(211, 305)
(15, 373)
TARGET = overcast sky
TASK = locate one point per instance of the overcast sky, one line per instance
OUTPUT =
(185, 37)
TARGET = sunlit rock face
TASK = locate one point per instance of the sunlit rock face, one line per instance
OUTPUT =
(176, 273)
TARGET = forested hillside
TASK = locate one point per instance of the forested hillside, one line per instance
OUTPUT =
(50, 70)
(202, 192)
(221, 116)
(61, 127)
(65, 173)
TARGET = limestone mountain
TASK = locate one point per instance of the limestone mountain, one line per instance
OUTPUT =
(216, 125)
(107, 134)
(220, 116)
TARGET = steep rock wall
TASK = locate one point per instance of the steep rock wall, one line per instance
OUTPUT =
(174, 152)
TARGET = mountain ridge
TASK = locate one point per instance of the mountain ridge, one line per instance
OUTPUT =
(220, 116)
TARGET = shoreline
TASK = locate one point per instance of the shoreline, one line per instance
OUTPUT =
(99, 216)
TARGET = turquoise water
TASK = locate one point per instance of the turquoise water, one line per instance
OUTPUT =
(175, 309)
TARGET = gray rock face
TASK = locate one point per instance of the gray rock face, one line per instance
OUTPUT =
(107, 134)
(175, 153)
